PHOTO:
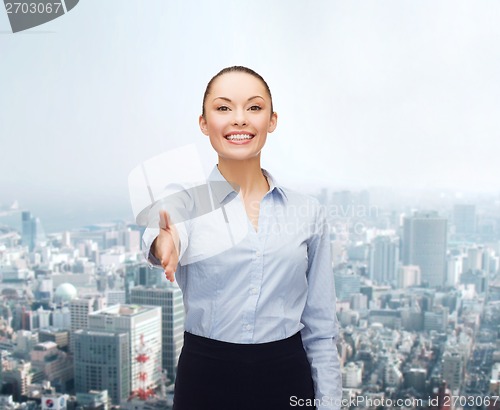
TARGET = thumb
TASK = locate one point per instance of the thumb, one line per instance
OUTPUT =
(165, 220)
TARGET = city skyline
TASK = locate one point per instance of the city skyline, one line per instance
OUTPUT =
(399, 337)
(66, 216)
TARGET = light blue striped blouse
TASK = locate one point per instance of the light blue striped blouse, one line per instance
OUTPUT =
(269, 285)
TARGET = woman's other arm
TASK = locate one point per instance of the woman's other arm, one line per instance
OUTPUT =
(320, 330)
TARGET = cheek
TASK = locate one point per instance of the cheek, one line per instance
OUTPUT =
(215, 126)
(265, 125)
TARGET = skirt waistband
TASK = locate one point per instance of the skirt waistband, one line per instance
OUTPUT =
(220, 350)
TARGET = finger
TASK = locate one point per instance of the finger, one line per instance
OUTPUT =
(169, 220)
(166, 251)
(170, 274)
(171, 266)
(164, 219)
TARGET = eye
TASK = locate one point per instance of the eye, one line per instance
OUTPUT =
(222, 108)
(255, 108)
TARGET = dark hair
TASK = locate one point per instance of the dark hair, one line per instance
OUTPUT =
(234, 69)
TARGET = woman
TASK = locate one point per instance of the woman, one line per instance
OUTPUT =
(260, 316)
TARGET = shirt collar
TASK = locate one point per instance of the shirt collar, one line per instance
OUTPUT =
(221, 188)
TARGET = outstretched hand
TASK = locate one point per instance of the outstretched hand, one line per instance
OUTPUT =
(166, 246)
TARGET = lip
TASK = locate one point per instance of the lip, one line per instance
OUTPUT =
(239, 133)
(241, 141)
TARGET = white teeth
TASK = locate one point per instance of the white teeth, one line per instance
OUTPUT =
(239, 137)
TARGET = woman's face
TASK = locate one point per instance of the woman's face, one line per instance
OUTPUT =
(238, 116)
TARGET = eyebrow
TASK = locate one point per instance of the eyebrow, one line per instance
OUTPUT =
(229, 100)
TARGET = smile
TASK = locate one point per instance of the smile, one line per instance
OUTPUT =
(239, 137)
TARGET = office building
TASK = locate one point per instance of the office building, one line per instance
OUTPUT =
(347, 283)
(59, 337)
(170, 300)
(32, 233)
(464, 219)
(393, 377)
(416, 378)
(140, 274)
(424, 245)
(473, 258)
(352, 375)
(79, 310)
(408, 276)
(454, 269)
(55, 365)
(115, 297)
(436, 320)
(103, 361)
(384, 259)
(61, 318)
(17, 374)
(453, 365)
(143, 326)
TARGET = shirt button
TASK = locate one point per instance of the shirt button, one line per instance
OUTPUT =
(253, 291)
(248, 327)
(257, 254)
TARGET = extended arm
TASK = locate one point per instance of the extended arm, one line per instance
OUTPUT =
(162, 241)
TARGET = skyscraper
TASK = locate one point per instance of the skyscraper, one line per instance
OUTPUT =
(464, 219)
(79, 311)
(453, 365)
(424, 245)
(140, 323)
(384, 258)
(27, 234)
(172, 310)
(102, 361)
(347, 283)
(32, 230)
(140, 274)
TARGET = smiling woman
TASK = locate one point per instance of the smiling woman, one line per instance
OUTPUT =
(260, 326)
(238, 111)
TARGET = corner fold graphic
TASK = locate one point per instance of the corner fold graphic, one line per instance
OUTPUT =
(70, 4)
(26, 14)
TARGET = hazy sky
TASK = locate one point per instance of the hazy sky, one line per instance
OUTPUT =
(392, 93)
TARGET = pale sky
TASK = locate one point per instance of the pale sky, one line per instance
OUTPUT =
(386, 93)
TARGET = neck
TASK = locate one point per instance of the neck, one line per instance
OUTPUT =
(247, 174)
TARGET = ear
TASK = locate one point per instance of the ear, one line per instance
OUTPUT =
(273, 123)
(203, 125)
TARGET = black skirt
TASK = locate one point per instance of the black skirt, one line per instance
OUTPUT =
(215, 375)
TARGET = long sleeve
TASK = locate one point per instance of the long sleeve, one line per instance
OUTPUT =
(320, 330)
(193, 205)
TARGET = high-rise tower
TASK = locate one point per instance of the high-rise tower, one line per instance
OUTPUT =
(170, 300)
(143, 325)
(464, 219)
(32, 232)
(102, 361)
(384, 259)
(424, 245)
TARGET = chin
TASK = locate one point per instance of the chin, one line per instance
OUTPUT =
(238, 156)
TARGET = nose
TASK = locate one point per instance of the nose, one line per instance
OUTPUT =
(239, 117)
